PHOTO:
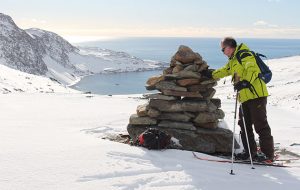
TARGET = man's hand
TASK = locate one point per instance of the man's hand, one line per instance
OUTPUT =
(207, 73)
(241, 85)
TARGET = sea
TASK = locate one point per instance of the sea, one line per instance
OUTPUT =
(162, 49)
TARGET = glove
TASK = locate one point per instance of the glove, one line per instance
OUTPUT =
(241, 85)
(207, 73)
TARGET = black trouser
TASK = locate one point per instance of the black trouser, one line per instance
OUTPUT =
(255, 113)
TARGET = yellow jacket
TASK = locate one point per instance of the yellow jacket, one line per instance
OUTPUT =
(248, 71)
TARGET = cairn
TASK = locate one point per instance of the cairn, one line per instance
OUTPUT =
(184, 107)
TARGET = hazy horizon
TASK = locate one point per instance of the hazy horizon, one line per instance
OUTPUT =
(79, 20)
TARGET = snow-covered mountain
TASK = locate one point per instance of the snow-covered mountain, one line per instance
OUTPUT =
(41, 52)
(19, 50)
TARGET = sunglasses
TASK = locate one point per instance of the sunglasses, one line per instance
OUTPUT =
(223, 49)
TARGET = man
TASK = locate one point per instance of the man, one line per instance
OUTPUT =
(252, 95)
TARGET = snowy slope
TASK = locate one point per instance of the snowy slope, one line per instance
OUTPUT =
(15, 81)
(49, 141)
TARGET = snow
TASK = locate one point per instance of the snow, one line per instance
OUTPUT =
(53, 140)
(12, 81)
(97, 60)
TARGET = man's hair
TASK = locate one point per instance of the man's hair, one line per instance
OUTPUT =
(229, 41)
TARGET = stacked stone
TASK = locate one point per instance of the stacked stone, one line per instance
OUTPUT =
(184, 107)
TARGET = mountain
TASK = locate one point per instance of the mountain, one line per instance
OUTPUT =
(45, 53)
(18, 49)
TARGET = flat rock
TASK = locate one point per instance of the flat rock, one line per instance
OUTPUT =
(174, 116)
(209, 93)
(169, 85)
(136, 120)
(181, 106)
(212, 125)
(152, 81)
(160, 96)
(141, 110)
(184, 94)
(154, 113)
(208, 81)
(200, 87)
(187, 82)
(177, 125)
(189, 74)
(206, 117)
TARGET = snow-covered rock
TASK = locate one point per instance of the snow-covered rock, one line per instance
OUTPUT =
(19, 49)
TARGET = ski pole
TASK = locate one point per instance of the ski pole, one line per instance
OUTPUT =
(233, 139)
(244, 123)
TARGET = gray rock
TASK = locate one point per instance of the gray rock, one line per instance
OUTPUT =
(220, 114)
(153, 112)
(184, 117)
(150, 87)
(152, 81)
(187, 82)
(185, 55)
(189, 74)
(180, 93)
(160, 96)
(212, 125)
(141, 110)
(200, 87)
(136, 120)
(192, 67)
(169, 85)
(183, 75)
(206, 117)
(177, 125)
(209, 81)
(216, 102)
(179, 106)
(172, 76)
(209, 93)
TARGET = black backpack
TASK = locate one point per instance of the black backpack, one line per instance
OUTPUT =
(265, 72)
(154, 138)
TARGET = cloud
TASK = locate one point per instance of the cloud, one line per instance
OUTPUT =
(28, 22)
(38, 21)
(271, 1)
(218, 32)
(262, 23)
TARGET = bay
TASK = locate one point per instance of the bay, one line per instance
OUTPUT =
(162, 49)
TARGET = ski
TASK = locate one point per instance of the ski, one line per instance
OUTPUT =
(239, 161)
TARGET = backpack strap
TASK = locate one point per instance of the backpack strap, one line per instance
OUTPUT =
(260, 55)
(239, 57)
(241, 54)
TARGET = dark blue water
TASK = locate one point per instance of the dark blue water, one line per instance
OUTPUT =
(162, 49)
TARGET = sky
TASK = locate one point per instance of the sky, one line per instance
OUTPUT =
(81, 20)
